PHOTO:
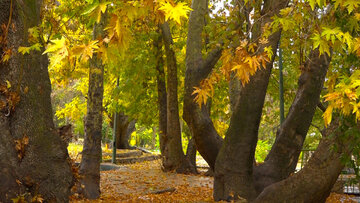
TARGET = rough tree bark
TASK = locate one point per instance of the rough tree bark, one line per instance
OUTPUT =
(314, 182)
(283, 157)
(123, 132)
(91, 154)
(39, 164)
(161, 90)
(173, 156)
(207, 140)
(234, 163)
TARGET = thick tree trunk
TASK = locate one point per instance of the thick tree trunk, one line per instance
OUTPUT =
(123, 131)
(174, 158)
(91, 155)
(283, 157)
(161, 89)
(234, 163)
(315, 181)
(33, 158)
(207, 140)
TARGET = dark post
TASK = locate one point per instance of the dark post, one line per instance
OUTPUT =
(113, 159)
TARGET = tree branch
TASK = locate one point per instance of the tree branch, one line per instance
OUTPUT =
(211, 60)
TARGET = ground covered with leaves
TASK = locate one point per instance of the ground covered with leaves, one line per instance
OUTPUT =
(146, 182)
(141, 182)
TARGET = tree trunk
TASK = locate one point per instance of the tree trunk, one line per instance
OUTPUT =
(283, 157)
(33, 158)
(91, 155)
(174, 158)
(161, 89)
(191, 152)
(315, 181)
(234, 163)
(191, 148)
(123, 131)
(207, 140)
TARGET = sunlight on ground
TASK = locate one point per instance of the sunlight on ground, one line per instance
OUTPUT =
(140, 181)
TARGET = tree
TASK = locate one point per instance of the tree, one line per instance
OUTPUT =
(123, 131)
(91, 154)
(174, 158)
(34, 160)
(236, 174)
(161, 90)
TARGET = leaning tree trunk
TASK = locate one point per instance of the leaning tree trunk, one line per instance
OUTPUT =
(161, 90)
(173, 156)
(33, 158)
(283, 157)
(207, 140)
(91, 154)
(315, 181)
(234, 163)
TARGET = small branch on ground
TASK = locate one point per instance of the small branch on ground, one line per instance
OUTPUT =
(164, 190)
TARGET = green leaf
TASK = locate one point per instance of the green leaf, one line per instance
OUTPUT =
(351, 5)
(24, 50)
(319, 42)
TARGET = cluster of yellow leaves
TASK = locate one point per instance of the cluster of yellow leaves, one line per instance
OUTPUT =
(174, 12)
(73, 110)
(349, 5)
(245, 61)
(118, 32)
(206, 88)
(96, 10)
(344, 98)
(333, 37)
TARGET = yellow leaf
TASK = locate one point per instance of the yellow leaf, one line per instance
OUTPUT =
(328, 115)
(332, 96)
(24, 50)
(6, 55)
(8, 84)
(175, 12)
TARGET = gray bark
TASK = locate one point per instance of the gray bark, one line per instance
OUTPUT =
(283, 157)
(234, 173)
(207, 140)
(91, 154)
(315, 181)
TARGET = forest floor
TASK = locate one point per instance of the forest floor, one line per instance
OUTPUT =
(146, 182)
(140, 181)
